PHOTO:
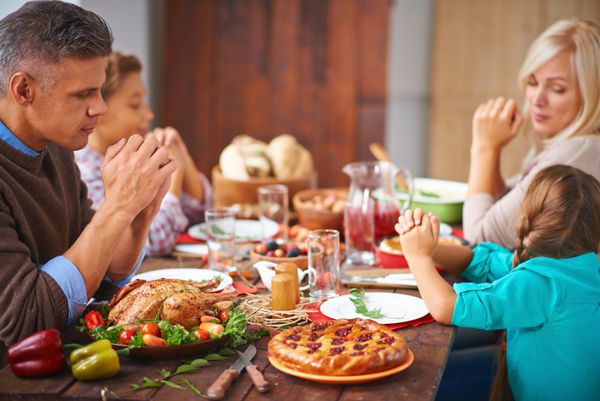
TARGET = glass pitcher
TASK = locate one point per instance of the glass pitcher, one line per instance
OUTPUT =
(373, 206)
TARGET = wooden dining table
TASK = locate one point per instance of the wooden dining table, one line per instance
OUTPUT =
(429, 342)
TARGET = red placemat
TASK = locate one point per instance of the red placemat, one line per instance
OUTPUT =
(185, 238)
(458, 231)
(242, 289)
(319, 317)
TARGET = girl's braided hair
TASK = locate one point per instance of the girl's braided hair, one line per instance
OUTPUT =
(559, 215)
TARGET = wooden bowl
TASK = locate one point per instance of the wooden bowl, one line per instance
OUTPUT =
(228, 191)
(315, 219)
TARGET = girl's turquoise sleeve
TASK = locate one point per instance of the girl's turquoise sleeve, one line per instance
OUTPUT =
(521, 299)
(490, 262)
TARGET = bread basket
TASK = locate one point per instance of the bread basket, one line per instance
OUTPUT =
(229, 191)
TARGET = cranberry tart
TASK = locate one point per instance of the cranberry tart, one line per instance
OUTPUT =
(339, 348)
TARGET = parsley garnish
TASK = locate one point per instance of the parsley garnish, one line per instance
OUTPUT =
(357, 296)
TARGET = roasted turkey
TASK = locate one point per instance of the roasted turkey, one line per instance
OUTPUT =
(178, 301)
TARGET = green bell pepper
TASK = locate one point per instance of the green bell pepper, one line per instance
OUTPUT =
(95, 361)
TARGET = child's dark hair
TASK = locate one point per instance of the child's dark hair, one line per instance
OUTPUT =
(559, 215)
(118, 67)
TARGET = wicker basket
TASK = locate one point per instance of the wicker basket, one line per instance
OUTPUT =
(228, 191)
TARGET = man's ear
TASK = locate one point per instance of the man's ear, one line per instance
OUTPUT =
(22, 88)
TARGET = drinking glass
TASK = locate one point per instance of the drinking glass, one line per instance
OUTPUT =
(273, 208)
(323, 256)
(220, 234)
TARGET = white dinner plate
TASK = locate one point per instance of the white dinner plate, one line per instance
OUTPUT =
(245, 230)
(194, 249)
(186, 274)
(396, 308)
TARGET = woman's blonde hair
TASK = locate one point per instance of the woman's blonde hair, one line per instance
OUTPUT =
(582, 39)
(118, 67)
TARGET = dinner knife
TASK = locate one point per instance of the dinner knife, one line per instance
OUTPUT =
(255, 375)
(218, 389)
(389, 279)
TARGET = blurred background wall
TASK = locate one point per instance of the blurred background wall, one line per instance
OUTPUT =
(338, 74)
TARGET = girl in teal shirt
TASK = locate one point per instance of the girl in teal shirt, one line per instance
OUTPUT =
(545, 293)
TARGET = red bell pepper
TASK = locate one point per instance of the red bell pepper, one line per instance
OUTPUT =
(93, 319)
(40, 354)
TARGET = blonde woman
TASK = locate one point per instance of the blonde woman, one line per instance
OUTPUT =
(561, 81)
(128, 114)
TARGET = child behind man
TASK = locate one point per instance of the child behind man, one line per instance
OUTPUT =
(546, 293)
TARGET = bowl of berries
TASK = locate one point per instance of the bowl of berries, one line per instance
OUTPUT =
(279, 252)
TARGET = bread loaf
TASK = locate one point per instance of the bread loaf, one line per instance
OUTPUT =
(245, 157)
(288, 158)
(283, 158)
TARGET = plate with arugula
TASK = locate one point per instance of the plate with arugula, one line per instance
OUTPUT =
(382, 307)
(245, 230)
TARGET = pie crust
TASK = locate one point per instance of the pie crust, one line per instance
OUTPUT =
(339, 348)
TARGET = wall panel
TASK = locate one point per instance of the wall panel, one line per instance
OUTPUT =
(311, 68)
(478, 49)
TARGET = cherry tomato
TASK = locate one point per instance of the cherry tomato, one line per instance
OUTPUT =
(153, 341)
(202, 334)
(150, 328)
(93, 319)
(126, 335)
(224, 315)
(212, 328)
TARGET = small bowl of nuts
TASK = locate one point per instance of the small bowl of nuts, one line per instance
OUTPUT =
(321, 208)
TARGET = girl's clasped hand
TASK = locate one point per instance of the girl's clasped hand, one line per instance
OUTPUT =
(419, 233)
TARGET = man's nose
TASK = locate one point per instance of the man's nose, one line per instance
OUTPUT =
(98, 107)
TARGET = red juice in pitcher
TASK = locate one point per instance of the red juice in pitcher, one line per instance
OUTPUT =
(385, 218)
(372, 209)
(359, 229)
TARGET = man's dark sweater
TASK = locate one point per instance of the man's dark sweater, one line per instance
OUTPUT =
(43, 210)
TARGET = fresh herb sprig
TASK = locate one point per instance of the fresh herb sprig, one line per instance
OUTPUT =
(357, 297)
(187, 367)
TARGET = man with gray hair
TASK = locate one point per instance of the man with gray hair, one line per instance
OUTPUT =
(54, 251)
